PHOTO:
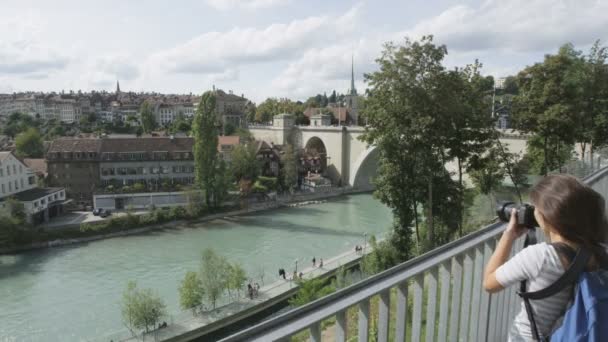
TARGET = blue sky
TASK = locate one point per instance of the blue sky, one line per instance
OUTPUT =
(262, 48)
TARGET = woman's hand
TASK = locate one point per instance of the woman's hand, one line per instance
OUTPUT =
(515, 230)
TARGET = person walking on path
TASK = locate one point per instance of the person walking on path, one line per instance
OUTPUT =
(314, 261)
(250, 290)
(321, 263)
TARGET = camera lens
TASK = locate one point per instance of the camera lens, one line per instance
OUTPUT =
(503, 210)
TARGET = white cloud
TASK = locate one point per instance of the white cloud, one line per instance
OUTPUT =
(213, 52)
(23, 51)
(224, 5)
(104, 71)
(518, 25)
(327, 68)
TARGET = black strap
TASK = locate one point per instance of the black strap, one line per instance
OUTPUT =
(530, 240)
(568, 278)
(579, 260)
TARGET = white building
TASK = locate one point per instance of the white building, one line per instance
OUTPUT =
(19, 182)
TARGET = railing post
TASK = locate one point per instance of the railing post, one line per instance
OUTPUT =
(417, 312)
(401, 319)
(484, 306)
(315, 332)
(341, 326)
(466, 296)
(364, 320)
(477, 292)
(384, 306)
(444, 276)
(456, 296)
(431, 304)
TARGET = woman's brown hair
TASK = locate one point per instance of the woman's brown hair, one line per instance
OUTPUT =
(574, 210)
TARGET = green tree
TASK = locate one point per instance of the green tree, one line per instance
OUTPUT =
(191, 292)
(489, 177)
(148, 121)
(29, 144)
(266, 110)
(289, 171)
(411, 98)
(205, 132)
(244, 164)
(214, 271)
(229, 129)
(548, 103)
(141, 308)
(311, 290)
(592, 123)
(221, 183)
(236, 278)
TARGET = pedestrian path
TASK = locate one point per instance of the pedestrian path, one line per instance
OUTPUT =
(186, 321)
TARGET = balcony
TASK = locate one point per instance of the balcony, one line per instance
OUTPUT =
(444, 287)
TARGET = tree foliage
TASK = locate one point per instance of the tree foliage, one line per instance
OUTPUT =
(421, 116)
(214, 275)
(148, 121)
(205, 132)
(549, 103)
(244, 164)
(311, 290)
(191, 291)
(141, 308)
(29, 144)
(289, 169)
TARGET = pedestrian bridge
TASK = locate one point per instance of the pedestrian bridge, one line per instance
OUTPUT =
(350, 161)
(443, 285)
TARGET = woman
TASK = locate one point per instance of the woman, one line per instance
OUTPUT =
(571, 215)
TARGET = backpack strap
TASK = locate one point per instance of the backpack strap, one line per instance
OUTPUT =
(579, 259)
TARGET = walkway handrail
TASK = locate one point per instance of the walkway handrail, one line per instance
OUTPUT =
(297, 320)
(475, 315)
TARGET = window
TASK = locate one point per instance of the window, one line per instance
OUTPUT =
(10, 187)
(8, 170)
(14, 169)
(21, 180)
(3, 189)
(20, 168)
(166, 169)
(16, 185)
(1, 172)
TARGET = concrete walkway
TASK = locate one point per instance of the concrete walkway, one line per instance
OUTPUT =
(185, 321)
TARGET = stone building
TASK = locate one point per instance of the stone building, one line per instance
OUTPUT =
(74, 165)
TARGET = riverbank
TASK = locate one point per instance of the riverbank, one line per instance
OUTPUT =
(226, 319)
(69, 235)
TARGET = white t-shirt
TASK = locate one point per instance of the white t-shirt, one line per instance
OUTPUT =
(541, 266)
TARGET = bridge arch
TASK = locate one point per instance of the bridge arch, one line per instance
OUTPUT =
(365, 169)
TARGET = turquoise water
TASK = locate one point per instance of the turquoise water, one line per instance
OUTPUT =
(73, 293)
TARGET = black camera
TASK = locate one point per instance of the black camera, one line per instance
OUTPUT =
(525, 213)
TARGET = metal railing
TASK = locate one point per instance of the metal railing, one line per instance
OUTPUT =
(455, 307)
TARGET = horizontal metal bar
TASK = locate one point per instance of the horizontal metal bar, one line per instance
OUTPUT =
(322, 308)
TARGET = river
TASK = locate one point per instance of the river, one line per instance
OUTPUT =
(73, 293)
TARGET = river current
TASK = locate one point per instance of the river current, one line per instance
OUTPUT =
(73, 293)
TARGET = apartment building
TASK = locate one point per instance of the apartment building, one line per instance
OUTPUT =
(19, 182)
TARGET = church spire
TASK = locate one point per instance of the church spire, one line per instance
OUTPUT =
(117, 87)
(353, 90)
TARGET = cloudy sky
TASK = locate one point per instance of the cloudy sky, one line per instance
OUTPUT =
(262, 48)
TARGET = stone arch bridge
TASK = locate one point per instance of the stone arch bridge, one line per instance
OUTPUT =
(349, 161)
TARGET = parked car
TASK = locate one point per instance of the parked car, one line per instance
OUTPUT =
(105, 213)
(97, 211)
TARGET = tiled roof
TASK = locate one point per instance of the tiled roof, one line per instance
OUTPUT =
(4, 155)
(229, 140)
(147, 144)
(75, 145)
(37, 165)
